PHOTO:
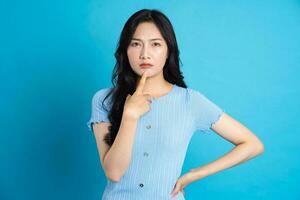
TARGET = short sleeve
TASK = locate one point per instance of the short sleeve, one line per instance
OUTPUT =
(205, 112)
(98, 112)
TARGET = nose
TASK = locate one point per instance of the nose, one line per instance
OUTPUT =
(144, 53)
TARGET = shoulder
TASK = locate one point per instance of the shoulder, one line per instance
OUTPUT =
(193, 91)
(100, 94)
(191, 94)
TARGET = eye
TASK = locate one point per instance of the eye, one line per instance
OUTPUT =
(134, 44)
(156, 44)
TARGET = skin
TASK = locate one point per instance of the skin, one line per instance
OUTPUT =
(247, 144)
(139, 103)
(148, 45)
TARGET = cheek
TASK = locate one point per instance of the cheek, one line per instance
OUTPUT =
(161, 52)
(161, 56)
(132, 57)
(130, 54)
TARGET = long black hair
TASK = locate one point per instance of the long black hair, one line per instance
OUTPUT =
(124, 78)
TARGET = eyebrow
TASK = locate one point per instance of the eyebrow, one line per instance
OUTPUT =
(149, 39)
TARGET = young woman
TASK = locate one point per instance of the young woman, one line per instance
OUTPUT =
(143, 124)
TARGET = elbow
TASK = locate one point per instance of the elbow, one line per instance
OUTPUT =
(113, 179)
(113, 176)
(112, 173)
(256, 147)
(259, 147)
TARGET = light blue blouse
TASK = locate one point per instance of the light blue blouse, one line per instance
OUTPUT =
(161, 141)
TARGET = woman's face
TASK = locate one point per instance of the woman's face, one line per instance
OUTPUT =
(147, 46)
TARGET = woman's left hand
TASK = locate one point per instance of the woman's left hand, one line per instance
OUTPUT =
(181, 183)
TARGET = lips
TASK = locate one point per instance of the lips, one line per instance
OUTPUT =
(146, 65)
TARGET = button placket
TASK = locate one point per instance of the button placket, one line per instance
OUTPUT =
(146, 154)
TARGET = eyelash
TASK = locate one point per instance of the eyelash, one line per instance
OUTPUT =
(132, 44)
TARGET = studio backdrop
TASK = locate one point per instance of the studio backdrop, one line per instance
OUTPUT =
(54, 55)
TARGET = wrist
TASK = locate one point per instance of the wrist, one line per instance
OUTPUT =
(196, 174)
(129, 116)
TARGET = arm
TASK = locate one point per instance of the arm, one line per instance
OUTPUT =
(247, 147)
(116, 159)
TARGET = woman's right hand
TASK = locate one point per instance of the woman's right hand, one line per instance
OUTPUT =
(138, 103)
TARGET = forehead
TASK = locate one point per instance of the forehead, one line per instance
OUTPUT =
(147, 30)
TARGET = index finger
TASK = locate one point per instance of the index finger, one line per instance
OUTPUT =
(141, 84)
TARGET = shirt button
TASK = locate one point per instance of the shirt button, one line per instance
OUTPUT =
(148, 127)
(146, 154)
(141, 185)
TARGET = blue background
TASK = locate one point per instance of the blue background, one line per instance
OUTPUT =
(54, 55)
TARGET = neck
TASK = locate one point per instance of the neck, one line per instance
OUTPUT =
(157, 86)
